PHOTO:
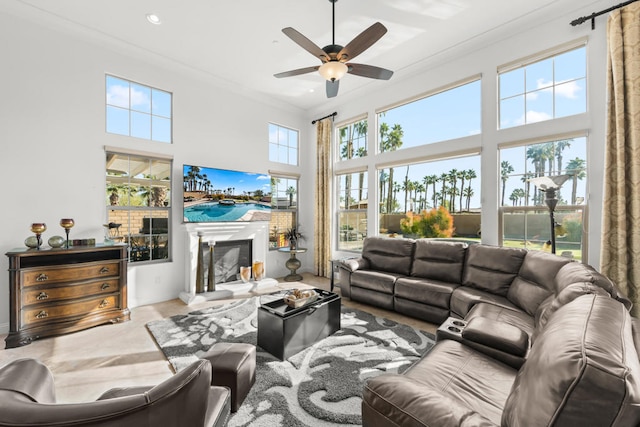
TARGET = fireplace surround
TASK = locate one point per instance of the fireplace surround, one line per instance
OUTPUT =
(256, 232)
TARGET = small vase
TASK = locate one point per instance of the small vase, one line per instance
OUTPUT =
(293, 244)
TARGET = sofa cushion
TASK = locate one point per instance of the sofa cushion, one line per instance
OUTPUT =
(589, 365)
(576, 272)
(535, 280)
(431, 292)
(439, 260)
(492, 268)
(511, 316)
(464, 298)
(378, 281)
(389, 254)
(444, 384)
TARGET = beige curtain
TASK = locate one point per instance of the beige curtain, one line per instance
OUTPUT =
(322, 232)
(620, 256)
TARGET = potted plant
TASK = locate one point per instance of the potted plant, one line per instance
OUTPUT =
(293, 235)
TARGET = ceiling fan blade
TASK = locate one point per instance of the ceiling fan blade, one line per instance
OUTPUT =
(306, 44)
(332, 88)
(297, 72)
(362, 42)
(370, 71)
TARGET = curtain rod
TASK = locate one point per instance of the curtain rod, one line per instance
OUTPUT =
(593, 16)
(325, 117)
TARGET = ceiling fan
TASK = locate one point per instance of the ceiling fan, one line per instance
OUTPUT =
(334, 57)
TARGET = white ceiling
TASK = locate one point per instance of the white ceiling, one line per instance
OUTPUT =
(239, 43)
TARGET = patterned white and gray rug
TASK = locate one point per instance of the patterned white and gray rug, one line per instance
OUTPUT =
(321, 385)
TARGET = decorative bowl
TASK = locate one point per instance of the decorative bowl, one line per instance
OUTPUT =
(297, 297)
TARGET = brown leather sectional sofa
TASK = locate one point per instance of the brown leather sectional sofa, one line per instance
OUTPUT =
(526, 338)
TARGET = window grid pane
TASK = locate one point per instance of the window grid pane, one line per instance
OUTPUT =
(283, 145)
(353, 199)
(137, 110)
(555, 87)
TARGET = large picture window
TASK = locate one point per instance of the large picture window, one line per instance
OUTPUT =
(353, 198)
(137, 110)
(138, 199)
(525, 216)
(449, 114)
(545, 89)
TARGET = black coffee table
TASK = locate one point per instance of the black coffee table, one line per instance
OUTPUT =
(284, 331)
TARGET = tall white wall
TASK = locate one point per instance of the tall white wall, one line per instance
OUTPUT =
(482, 57)
(52, 130)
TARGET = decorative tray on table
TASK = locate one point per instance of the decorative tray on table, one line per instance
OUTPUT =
(298, 297)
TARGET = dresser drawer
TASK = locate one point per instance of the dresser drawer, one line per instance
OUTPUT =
(97, 287)
(69, 273)
(34, 316)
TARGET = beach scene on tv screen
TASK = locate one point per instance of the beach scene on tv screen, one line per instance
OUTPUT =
(222, 195)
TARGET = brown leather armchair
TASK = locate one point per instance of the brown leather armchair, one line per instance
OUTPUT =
(27, 398)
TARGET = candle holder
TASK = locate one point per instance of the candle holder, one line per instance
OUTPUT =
(38, 228)
(67, 223)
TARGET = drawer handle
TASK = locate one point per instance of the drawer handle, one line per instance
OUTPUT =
(42, 315)
(104, 303)
(42, 277)
(41, 296)
(105, 286)
(104, 270)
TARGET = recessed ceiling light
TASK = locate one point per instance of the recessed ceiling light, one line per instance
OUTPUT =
(153, 18)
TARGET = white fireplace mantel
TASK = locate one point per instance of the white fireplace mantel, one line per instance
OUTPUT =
(258, 232)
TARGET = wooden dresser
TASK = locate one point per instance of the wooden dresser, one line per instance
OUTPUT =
(55, 291)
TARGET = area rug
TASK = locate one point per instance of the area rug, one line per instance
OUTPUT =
(320, 386)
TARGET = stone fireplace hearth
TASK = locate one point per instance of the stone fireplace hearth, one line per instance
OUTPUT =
(256, 232)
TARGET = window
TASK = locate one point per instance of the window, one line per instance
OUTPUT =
(284, 210)
(283, 145)
(138, 199)
(546, 89)
(353, 140)
(138, 110)
(449, 114)
(353, 199)
(440, 198)
(524, 214)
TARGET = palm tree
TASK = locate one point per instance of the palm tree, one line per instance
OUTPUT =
(461, 175)
(443, 193)
(390, 140)
(420, 190)
(505, 170)
(468, 193)
(560, 147)
(577, 169)
(453, 179)
(513, 197)
(291, 191)
(471, 174)
(431, 180)
(383, 179)
(527, 185)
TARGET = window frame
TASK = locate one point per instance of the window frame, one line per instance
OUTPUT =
(360, 211)
(131, 110)
(531, 60)
(288, 148)
(352, 126)
(160, 242)
(276, 233)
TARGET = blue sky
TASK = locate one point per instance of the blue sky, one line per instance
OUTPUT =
(222, 179)
(544, 90)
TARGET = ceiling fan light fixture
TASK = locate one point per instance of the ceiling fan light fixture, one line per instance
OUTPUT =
(333, 70)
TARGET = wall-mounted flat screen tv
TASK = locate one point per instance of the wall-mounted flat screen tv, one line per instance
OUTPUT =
(222, 195)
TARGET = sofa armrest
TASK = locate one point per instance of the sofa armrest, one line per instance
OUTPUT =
(353, 264)
(30, 378)
(497, 335)
(397, 400)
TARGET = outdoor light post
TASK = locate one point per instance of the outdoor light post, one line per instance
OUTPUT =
(550, 185)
